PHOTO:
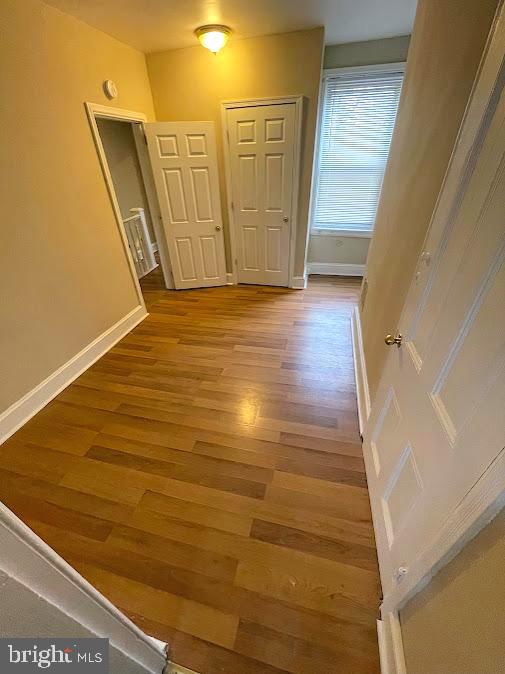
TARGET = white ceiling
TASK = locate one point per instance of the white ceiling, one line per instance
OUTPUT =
(154, 25)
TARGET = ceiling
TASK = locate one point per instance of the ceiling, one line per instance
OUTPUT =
(154, 25)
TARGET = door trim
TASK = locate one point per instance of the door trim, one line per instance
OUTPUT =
(94, 111)
(486, 497)
(360, 371)
(297, 101)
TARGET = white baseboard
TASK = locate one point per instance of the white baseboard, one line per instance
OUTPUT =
(336, 269)
(28, 559)
(392, 658)
(22, 410)
(299, 282)
(362, 390)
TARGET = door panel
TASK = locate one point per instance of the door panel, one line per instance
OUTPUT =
(274, 182)
(183, 158)
(401, 493)
(261, 149)
(273, 249)
(209, 257)
(248, 185)
(185, 259)
(437, 422)
(250, 247)
(175, 196)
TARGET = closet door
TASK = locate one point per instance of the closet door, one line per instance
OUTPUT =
(261, 146)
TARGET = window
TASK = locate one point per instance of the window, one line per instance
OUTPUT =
(357, 120)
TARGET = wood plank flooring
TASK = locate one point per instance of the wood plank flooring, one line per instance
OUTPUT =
(206, 475)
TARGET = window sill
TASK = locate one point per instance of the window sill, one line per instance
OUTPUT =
(358, 234)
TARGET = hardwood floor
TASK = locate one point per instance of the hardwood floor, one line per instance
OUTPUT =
(206, 475)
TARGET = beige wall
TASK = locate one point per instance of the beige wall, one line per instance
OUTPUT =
(445, 50)
(389, 50)
(456, 625)
(353, 250)
(190, 83)
(122, 159)
(64, 276)
(338, 249)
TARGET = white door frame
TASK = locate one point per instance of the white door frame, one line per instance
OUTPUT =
(97, 111)
(487, 496)
(252, 103)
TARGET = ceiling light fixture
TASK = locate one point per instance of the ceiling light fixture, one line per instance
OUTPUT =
(213, 37)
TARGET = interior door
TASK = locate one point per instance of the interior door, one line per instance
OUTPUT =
(438, 419)
(261, 159)
(184, 163)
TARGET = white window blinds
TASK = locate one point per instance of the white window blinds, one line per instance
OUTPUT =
(357, 122)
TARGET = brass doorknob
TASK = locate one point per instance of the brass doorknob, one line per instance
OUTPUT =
(218, 228)
(390, 340)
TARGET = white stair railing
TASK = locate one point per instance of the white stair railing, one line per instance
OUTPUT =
(139, 241)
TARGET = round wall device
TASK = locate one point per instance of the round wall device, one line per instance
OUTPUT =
(110, 89)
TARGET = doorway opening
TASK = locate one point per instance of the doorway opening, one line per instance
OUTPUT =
(120, 141)
(179, 171)
(119, 145)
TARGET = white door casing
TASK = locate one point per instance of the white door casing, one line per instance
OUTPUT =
(262, 162)
(184, 162)
(437, 422)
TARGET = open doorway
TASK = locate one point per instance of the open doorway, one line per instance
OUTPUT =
(179, 172)
(121, 145)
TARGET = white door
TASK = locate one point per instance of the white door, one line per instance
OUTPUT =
(262, 160)
(438, 420)
(184, 163)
